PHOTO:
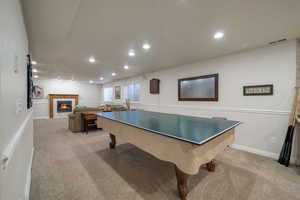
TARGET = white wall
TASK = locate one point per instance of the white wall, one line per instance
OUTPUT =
(16, 139)
(264, 118)
(89, 94)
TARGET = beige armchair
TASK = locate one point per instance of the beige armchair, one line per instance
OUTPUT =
(75, 122)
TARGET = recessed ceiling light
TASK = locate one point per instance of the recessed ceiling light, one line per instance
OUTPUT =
(35, 76)
(34, 70)
(113, 74)
(131, 53)
(218, 35)
(101, 78)
(91, 82)
(33, 62)
(146, 46)
(126, 67)
(92, 59)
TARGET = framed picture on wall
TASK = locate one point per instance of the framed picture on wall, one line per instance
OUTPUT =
(29, 82)
(117, 92)
(200, 88)
(38, 92)
(258, 90)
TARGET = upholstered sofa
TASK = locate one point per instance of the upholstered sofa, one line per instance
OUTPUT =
(76, 122)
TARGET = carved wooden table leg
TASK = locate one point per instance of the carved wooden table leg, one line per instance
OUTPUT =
(181, 183)
(211, 166)
(112, 144)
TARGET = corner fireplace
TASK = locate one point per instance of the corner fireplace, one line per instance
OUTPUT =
(64, 106)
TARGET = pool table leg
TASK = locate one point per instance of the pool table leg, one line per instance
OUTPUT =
(181, 183)
(211, 166)
(112, 144)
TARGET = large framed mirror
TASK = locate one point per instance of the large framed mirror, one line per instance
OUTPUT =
(200, 88)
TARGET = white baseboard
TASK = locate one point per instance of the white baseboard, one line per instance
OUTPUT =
(42, 117)
(256, 151)
(28, 178)
(268, 154)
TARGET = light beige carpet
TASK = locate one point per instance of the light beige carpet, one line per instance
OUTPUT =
(73, 166)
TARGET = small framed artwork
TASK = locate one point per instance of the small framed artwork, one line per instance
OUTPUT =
(258, 90)
(38, 92)
(117, 92)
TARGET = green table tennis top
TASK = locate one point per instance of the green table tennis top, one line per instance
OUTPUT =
(196, 130)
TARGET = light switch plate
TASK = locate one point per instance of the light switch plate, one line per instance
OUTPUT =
(15, 64)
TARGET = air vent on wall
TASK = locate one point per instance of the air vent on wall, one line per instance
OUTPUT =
(277, 41)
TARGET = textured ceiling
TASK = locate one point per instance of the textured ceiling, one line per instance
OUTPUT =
(63, 34)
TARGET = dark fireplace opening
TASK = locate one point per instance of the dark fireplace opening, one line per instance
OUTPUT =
(64, 106)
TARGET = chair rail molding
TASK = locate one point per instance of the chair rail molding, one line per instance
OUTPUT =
(223, 109)
(10, 149)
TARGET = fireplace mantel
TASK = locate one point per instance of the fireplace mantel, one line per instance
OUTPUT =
(60, 96)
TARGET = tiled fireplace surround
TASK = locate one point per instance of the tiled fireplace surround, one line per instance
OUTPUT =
(53, 98)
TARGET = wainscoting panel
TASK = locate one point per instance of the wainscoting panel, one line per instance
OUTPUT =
(41, 109)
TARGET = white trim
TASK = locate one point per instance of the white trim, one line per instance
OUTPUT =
(11, 147)
(135, 102)
(28, 178)
(61, 117)
(256, 151)
(46, 117)
(40, 102)
(42, 117)
(226, 109)
(268, 154)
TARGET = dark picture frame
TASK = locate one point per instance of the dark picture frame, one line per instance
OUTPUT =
(216, 88)
(29, 82)
(154, 86)
(258, 90)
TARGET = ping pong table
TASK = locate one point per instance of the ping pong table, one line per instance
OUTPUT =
(187, 142)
